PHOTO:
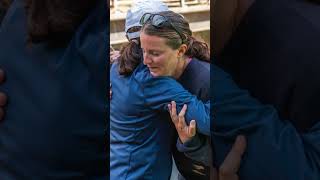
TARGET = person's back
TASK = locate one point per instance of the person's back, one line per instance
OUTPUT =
(140, 130)
(275, 55)
(140, 137)
(54, 125)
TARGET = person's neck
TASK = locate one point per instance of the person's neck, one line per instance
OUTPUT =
(182, 65)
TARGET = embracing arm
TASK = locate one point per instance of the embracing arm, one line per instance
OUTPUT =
(196, 147)
(159, 92)
(275, 150)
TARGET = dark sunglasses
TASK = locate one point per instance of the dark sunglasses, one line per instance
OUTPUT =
(158, 21)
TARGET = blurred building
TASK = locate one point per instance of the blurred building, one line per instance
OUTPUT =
(197, 12)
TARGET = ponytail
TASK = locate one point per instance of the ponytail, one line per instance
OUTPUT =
(130, 57)
(198, 49)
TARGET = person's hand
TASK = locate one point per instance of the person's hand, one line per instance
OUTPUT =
(185, 132)
(231, 164)
(114, 55)
(3, 97)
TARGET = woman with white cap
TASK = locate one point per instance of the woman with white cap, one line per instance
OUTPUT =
(131, 57)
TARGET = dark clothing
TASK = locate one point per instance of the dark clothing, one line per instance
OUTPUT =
(195, 79)
(4, 4)
(56, 119)
(140, 127)
(3, 11)
(275, 149)
(198, 149)
(275, 55)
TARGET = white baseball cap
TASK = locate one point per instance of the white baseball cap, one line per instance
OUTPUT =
(138, 9)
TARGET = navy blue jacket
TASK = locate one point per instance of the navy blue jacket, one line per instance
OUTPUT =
(194, 163)
(276, 150)
(140, 133)
(274, 54)
(55, 121)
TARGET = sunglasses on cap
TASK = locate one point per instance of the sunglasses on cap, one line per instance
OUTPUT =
(158, 21)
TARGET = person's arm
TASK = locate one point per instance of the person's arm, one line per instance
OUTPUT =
(275, 150)
(192, 144)
(196, 147)
(114, 55)
(159, 92)
(230, 167)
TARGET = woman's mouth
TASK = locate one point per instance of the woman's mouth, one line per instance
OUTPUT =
(152, 68)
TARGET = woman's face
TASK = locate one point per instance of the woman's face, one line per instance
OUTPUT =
(161, 59)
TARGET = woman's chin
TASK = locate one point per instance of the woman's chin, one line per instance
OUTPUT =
(154, 74)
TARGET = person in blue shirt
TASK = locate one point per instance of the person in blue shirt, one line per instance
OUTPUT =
(53, 53)
(154, 133)
(131, 57)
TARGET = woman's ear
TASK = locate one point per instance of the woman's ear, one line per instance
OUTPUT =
(182, 50)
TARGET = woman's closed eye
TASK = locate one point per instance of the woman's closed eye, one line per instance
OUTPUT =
(154, 53)
(151, 52)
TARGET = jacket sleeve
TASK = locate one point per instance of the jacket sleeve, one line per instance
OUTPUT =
(197, 148)
(159, 92)
(275, 149)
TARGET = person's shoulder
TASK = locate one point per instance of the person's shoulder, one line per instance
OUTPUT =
(202, 65)
(114, 66)
(141, 73)
(218, 74)
(201, 69)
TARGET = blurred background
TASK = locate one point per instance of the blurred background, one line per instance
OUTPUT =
(197, 12)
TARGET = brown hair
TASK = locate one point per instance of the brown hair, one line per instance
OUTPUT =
(55, 20)
(196, 48)
(131, 55)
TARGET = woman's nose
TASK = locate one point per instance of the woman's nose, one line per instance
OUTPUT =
(146, 59)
